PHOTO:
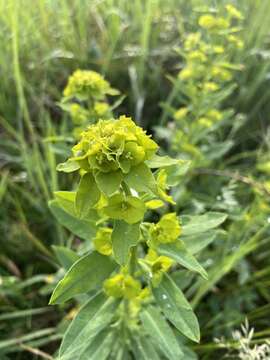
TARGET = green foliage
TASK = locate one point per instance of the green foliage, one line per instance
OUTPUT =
(212, 127)
(84, 275)
(112, 156)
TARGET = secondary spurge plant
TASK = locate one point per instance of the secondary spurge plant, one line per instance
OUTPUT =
(133, 309)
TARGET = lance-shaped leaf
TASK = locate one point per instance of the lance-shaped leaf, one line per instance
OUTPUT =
(65, 256)
(85, 274)
(196, 243)
(92, 318)
(141, 179)
(176, 308)
(161, 333)
(198, 224)
(178, 252)
(87, 195)
(124, 236)
(143, 349)
(63, 208)
(97, 348)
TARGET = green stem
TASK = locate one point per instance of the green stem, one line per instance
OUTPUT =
(126, 189)
(133, 260)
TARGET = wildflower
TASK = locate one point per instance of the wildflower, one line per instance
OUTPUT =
(197, 56)
(218, 49)
(192, 41)
(103, 241)
(180, 113)
(159, 265)
(112, 145)
(135, 304)
(221, 74)
(101, 109)
(233, 12)
(128, 208)
(186, 73)
(86, 83)
(210, 22)
(192, 71)
(122, 286)
(78, 114)
(207, 21)
(236, 41)
(167, 230)
(210, 86)
(222, 23)
(207, 123)
(214, 115)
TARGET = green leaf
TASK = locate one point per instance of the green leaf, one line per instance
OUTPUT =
(124, 236)
(175, 173)
(163, 161)
(178, 252)
(84, 229)
(176, 308)
(68, 166)
(87, 195)
(92, 318)
(98, 349)
(109, 183)
(66, 199)
(161, 332)
(144, 350)
(86, 274)
(200, 223)
(65, 256)
(197, 242)
(141, 179)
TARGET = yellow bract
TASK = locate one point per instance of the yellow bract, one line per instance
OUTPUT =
(180, 113)
(87, 83)
(167, 230)
(159, 265)
(122, 286)
(110, 145)
(103, 242)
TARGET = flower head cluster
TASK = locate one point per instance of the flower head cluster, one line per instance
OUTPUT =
(207, 75)
(86, 83)
(112, 145)
(103, 241)
(85, 99)
(167, 230)
(122, 286)
(158, 265)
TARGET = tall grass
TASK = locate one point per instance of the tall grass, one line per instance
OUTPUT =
(132, 44)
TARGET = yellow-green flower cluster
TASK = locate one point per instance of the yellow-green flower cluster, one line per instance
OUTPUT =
(83, 84)
(206, 73)
(122, 286)
(108, 155)
(85, 99)
(158, 265)
(167, 230)
(103, 241)
(112, 145)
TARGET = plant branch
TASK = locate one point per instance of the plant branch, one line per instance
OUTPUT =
(233, 175)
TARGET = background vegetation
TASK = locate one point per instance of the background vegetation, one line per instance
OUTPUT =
(138, 47)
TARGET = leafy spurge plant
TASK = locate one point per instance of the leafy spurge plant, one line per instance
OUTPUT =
(133, 306)
(205, 81)
(85, 97)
